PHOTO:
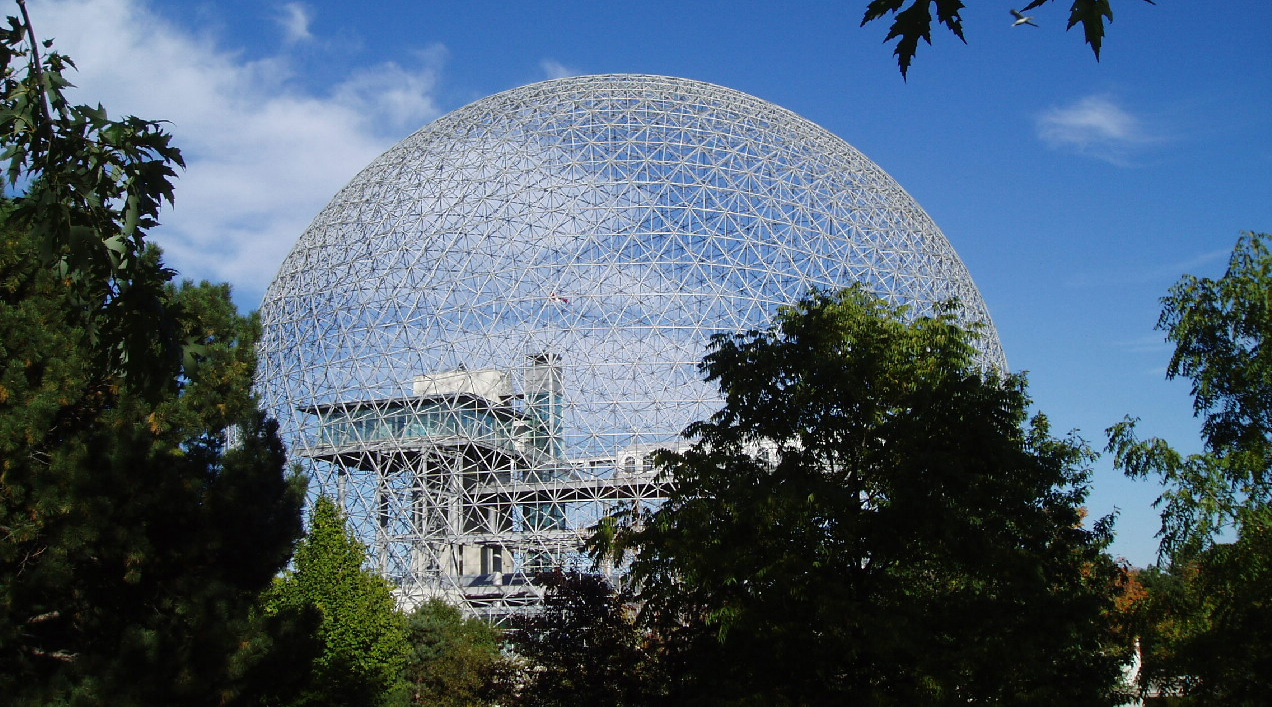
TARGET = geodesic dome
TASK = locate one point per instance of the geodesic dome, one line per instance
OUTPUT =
(479, 341)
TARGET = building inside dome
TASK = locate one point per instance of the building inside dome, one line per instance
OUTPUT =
(480, 341)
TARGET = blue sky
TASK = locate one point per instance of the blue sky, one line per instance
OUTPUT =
(1077, 192)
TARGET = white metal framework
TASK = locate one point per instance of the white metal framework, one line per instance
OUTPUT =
(481, 339)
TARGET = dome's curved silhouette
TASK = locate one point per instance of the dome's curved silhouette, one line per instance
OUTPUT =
(480, 338)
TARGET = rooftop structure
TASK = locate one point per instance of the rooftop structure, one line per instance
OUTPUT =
(481, 339)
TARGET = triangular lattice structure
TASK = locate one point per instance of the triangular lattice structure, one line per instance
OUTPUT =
(481, 339)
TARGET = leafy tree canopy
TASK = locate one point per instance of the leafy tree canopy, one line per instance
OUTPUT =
(455, 661)
(913, 21)
(1220, 329)
(583, 647)
(1204, 626)
(872, 519)
(1220, 623)
(87, 189)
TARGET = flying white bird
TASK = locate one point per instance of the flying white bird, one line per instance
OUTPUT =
(1021, 19)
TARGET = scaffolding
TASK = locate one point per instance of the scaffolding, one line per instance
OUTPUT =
(472, 494)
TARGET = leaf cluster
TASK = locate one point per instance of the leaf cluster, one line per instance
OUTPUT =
(1210, 623)
(913, 22)
(86, 189)
(363, 639)
(871, 517)
(910, 24)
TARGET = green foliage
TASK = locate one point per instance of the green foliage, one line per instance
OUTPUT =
(1224, 650)
(136, 536)
(914, 22)
(870, 519)
(363, 637)
(583, 648)
(1221, 616)
(277, 656)
(1219, 328)
(89, 188)
(454, 661)
(143, 500)
(1158, 620)
(1206, 631)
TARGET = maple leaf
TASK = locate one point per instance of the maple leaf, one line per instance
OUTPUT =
(1091, 14)
(914, 23)
(947, 14)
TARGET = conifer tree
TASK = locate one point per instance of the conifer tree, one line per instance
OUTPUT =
(361, 633)
(143, 500)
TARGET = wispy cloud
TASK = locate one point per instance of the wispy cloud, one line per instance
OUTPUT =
(294, 18)
(1095, 126)
(1151, 273)
(402, 96)
(263, 154)
(1151, 344)
(556, 70)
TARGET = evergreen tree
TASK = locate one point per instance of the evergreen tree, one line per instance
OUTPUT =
(362, 635)
(455, 661)
(136, 535)
(143, 500)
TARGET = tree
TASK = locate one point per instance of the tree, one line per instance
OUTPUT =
(364, 645)
(913, 22)
(454, 661)
(583, 647)
(869, 519)
(143, 499)
(89, 188)
(1220, 329)
(137, 535)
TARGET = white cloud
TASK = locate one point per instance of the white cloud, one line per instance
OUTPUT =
(263, 155)
(556, 70)
(402, 96)
(294, 19)
(1096, 126)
